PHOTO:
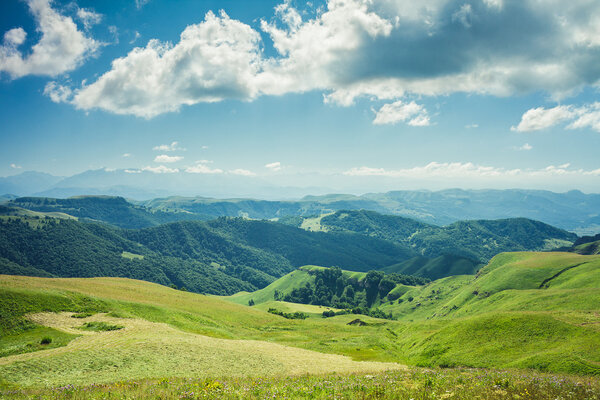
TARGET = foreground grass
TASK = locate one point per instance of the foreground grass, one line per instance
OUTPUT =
(409, 384)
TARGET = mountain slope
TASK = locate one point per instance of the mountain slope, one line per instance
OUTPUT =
(113, 210)
(477, 240)
(287, 246)
(69, 248)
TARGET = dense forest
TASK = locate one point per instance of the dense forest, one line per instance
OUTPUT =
(333, 288)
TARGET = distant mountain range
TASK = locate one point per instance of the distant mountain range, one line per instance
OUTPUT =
(573, 211)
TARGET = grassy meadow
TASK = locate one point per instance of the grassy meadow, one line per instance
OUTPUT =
(522, 312)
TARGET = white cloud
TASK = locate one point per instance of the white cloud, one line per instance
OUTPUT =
(161, 169)
(214, 60)
(133, 171)
(164, 158)
(61, 48)
(89, 18)
(469, 170)
(174, 146)
(201, 168)
(274, 166)
(525, 147)
(586, 116)
(126, 155)
(541, 118)
(57, 92)
(243, 172)
(15, 166)
(472, 126)
(414, 113)
(380, 49)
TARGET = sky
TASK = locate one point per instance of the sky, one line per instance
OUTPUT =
(351, 95)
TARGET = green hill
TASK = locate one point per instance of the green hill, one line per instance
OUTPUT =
(478, 240)
(220, 257)
(436, 268)
(113, 210)
(282, 247)
(523, 310)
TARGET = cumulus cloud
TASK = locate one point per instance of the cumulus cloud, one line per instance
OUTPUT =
(412, 113)
(214, 60)
(586, 116)
(541, 118)
(61, 48)
(161, 169)
(379, 49)
(467, 170)
(174, 146)
(274, 166)
(126, 155)
(242, 172)
(164, 158)
(15, 166)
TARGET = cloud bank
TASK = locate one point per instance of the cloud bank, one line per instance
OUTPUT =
(385, 50)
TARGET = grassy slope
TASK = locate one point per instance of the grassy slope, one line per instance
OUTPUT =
(555, 328)
(295, 279)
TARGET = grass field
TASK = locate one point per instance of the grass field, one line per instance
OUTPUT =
(422, 384)
(548, 320)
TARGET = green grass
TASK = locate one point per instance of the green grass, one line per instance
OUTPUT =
(295, 279)
(132, 256)
(99, 326)
(30, 340)
(519, 325)
(422, 384)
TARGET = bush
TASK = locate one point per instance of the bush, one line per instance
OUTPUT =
(46, 340)
(81, 315)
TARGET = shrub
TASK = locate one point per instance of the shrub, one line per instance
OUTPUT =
(46, 340)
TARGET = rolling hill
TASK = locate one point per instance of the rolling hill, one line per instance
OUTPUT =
(477, 240)
(220, 257)
(523, 310)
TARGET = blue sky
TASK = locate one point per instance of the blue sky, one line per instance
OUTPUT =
(352, 95)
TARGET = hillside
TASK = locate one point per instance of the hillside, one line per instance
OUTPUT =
(113, 210)
(220, 257)
(524, 310)
(67, 248)
(477, 240)
(436, 268)
(526, 298)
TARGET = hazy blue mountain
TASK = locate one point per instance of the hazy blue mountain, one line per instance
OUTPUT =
(27, 182)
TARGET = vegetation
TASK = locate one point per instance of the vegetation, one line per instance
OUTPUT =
(114, 210)
(523, 310)
(477, 240)
(425, 384)
(100, 326)
(70, 248)
(295, 315)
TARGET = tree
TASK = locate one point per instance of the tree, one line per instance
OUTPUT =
(251, 302)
